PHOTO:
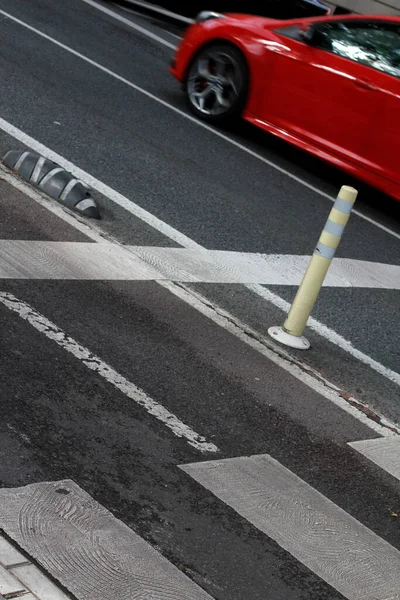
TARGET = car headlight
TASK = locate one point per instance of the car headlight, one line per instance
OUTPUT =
(206, 15)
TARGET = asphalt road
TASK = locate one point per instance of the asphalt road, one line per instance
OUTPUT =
(61, 420)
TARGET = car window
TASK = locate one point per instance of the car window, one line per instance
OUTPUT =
(374, 44)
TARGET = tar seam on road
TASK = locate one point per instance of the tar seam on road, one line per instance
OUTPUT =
(93, 362)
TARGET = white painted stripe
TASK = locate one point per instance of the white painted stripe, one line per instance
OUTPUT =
(50, 175)
(23, 259)
(329, 334)
(130, 24)
(90, 552)
(227, 321)
(8, 127)
(20, 259)
(70, 186)
(99, 186)
(21, 159)
(93, 362)
(239, 329)
(159, 10)
(333, 544)
(38, 168)
(384, 452)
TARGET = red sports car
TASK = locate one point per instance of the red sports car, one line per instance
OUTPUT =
(329, 85)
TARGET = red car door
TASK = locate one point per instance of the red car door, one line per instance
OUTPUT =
(383, 145)
(382, 148)
(319, 91)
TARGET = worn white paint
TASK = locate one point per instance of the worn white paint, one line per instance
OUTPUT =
(384, 452)
(93, 362)
(333, 544)
(20, 259)
(90, 552)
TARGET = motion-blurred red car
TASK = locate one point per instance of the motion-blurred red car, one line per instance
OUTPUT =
(329, 85)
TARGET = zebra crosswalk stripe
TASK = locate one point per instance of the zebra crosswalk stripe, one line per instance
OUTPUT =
(384, 452)
(325, 538)
(90, 552)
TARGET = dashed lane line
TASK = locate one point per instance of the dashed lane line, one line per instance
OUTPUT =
(94, 363)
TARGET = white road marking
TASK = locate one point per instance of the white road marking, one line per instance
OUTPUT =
(140, 14)
(93, 362)
(338, 548)
(90, 552)
(263, 345)
(190, 118)
(384, 452)
(303, 372)
(25, 259)
(130, 23)
(99, 186)
(161, 11)
(329, 334)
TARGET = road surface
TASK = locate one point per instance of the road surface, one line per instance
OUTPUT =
(136, 366)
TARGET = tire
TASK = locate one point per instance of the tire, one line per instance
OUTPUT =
(216, 83)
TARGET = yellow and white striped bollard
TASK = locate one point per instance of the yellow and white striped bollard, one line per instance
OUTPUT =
(291, 334)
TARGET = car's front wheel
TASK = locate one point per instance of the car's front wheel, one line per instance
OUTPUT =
(217, 82)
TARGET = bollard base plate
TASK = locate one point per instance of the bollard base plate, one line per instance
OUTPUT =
(293, 341)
